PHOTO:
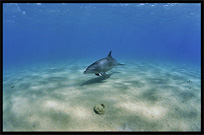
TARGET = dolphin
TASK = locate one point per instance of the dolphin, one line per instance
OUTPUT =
(102, 66)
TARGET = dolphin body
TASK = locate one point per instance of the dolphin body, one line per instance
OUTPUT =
(102, 66)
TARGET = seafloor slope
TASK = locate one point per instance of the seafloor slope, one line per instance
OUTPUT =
(140, 96)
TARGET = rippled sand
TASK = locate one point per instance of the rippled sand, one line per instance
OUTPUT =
(140, 96)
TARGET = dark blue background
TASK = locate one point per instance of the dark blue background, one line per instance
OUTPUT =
(54, 32)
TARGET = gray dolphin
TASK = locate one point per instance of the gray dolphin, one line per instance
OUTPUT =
(102, 66)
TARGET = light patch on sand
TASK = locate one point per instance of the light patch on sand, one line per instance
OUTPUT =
(59, 73)
(70, 92)
(81, 112)
(44, 75)
(20, 106)
(150, 112)
(55, 105)
(51, 85)
(37, 87)
(73, 92)
(104, 87)
(77, 112)
(51, 104)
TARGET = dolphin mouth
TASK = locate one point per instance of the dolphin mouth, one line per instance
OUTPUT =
(84, 72)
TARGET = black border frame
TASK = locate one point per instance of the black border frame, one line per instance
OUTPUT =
(99, 1)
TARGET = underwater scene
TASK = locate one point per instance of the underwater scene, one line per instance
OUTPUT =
(101, 67)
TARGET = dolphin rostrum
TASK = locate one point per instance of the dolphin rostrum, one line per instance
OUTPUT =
(102, 66)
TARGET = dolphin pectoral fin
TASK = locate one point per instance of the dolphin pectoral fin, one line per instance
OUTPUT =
(97, 74)
(103, 74)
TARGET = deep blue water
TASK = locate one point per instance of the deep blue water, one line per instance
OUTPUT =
(40, 33)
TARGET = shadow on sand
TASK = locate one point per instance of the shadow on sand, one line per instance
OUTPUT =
(97, 80)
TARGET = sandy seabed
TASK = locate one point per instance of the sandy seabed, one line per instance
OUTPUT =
(140, 96)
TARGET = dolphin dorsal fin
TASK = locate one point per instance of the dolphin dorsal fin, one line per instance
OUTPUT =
(109, 55)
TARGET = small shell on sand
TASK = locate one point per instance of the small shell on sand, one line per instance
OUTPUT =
(99, 109)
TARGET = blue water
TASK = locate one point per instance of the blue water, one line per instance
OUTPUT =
(46, 48)
(41, 33)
